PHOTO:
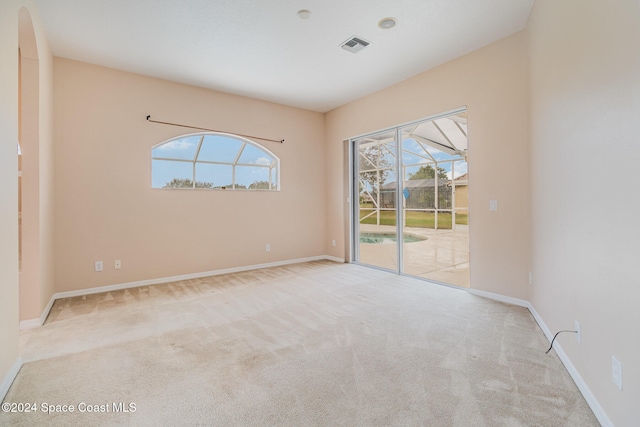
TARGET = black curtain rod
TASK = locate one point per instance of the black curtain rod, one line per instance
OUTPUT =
(213, 130)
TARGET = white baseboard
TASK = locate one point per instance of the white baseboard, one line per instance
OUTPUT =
(9, 378)
(35, 323)
(593, 403)
(30, 324)
(573, 372)
(501, 298)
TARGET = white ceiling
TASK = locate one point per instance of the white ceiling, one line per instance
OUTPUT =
(262, 49)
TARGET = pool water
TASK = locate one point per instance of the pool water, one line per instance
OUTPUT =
(388, 238)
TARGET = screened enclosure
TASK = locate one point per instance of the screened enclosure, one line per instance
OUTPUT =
(214, 161)
(411, 184)
(419, 194)
(432, 162)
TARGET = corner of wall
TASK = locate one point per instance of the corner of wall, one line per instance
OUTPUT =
(8, 193)
(8, 379)
(47, 177)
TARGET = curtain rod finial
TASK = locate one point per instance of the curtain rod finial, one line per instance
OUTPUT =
(148, 117)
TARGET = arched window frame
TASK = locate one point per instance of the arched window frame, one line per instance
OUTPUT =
(273, 167)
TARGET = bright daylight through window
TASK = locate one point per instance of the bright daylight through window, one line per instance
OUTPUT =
(413, 211)
(214, 161)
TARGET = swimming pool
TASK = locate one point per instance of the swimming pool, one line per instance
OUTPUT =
(388, 238)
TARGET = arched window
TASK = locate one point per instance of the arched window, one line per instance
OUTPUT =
(214, 161)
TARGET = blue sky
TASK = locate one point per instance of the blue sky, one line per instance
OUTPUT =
(218, 148)
(460, 167)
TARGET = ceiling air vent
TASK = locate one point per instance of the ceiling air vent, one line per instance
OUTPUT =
(354, 44)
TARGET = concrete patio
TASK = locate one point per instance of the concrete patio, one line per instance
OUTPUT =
(442, 257)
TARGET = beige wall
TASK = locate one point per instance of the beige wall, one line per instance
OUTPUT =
(585, 126)
(547, 108)
(35, 136)
(29, 142)
(46, 176)
(8, 189)
(492, 82)
(462, 196)
(106, 209)
(9, 303)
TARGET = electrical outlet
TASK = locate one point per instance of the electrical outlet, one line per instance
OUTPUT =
(98, 266)
(578, 332)
(531, 278)
(333, 243)
(117, 264)
(493, 205)
(616, 372)
(268, 248)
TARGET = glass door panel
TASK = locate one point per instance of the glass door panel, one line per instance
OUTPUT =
(376, 177)
(431, 160)
(422, 194)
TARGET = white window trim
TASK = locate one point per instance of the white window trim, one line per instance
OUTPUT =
(274, 166)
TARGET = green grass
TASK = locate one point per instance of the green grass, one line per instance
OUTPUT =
(415, 219)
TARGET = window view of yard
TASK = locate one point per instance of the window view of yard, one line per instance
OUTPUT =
(213, 161)
(416, 174)
(412, 218)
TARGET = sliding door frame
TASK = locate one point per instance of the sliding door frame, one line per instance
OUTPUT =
(353, 197)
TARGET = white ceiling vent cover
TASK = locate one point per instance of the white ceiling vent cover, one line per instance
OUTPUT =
(354, 44)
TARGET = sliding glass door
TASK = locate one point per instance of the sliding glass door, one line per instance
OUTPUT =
(412, 182)
(376, 160)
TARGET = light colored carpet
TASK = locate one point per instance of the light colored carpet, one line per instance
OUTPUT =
(312, 344)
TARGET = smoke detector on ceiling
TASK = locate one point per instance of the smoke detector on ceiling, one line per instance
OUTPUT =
(354, 44)
(387, 23)
(304, 14)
